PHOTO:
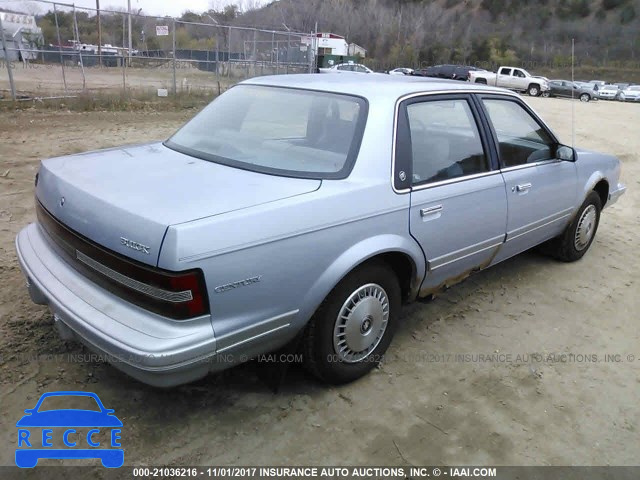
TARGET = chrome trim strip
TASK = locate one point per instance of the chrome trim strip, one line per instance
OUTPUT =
(159, 293)
(511, 236)
(450, 181)
(528, 165)
(452, 257)
(479, 91)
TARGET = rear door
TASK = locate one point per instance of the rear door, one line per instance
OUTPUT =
(568, 89)
(541, 190)
(458, 206)
(504, 78)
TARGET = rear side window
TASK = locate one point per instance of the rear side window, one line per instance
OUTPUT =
(521, 138)
(445, 141)
(505, 71)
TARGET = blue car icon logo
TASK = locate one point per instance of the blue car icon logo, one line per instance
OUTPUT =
(79, 432)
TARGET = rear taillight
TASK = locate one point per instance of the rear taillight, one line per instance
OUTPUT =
(177, 295)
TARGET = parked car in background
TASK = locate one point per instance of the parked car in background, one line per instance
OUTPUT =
(621, 86)
(451, 72)
(566, 88)
(609, 92)
(278, 213)
(346, 68)
(630, 94)
(513, 78)
(597, 84)
(401, 71)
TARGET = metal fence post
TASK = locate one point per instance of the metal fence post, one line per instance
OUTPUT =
(64, 77)
(7, 61)
(218, 60)
(175, 85)
(77, 36)
(255, 54)
(229, 59)
(124, 75)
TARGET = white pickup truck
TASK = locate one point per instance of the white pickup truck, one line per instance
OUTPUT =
(512, 78)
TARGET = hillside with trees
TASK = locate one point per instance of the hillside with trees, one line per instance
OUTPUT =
(420, 32)
(412, 32)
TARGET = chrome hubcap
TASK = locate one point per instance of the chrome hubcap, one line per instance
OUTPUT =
(586, 228)
(361, 323)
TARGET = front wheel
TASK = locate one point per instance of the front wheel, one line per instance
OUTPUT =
(574, 242)
(585, 97)
(353, 327)
(533, 90)
(546, 94)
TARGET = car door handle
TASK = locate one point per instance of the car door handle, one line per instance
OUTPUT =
(431, 210)
(523, 187)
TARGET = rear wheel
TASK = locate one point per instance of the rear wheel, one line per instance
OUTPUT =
(353, 327)
(533, 90)
(574, 242)
(585, 97)
(481, 81)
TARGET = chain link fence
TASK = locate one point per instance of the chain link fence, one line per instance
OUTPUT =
(69, 51)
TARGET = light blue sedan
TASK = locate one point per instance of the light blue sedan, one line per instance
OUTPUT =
(307, 207)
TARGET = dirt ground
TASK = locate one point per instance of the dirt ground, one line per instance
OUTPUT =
(529, 405)
(41, 80)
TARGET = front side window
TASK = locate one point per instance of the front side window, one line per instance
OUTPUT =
(281, 131)
(445, 141)
(521, 138)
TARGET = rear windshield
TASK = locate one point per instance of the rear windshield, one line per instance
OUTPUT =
(280, 131)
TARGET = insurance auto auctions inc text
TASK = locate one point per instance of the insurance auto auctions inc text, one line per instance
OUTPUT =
(377, 472)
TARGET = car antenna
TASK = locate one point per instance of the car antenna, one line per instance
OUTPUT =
(573, 100)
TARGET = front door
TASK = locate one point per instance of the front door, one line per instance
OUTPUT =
(541, 190)
(458, 205)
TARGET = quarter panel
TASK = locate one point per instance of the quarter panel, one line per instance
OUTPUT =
(287, 256)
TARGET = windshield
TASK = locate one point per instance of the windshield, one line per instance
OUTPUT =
(275, 130)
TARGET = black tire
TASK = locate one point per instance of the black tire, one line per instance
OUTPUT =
(585, 97)
(320, 355)
(481, 81)
(533, 90)
(546, 94)
(565, 246)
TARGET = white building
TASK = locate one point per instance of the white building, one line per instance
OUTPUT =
(21, 35)
(356, 50)
(332, 44)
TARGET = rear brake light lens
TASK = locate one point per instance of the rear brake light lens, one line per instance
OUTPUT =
(177, 295)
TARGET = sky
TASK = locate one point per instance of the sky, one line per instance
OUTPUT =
(150, 7)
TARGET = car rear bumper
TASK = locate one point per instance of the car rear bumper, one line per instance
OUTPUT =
(153, 349)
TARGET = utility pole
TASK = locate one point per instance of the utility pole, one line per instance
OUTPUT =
(99, 32)
(129, 26)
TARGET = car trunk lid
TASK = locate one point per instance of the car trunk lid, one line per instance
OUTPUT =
(125, 198)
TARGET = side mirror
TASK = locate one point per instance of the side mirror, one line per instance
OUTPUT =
(565, 153)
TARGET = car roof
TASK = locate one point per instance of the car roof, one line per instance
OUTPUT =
(373, 86)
